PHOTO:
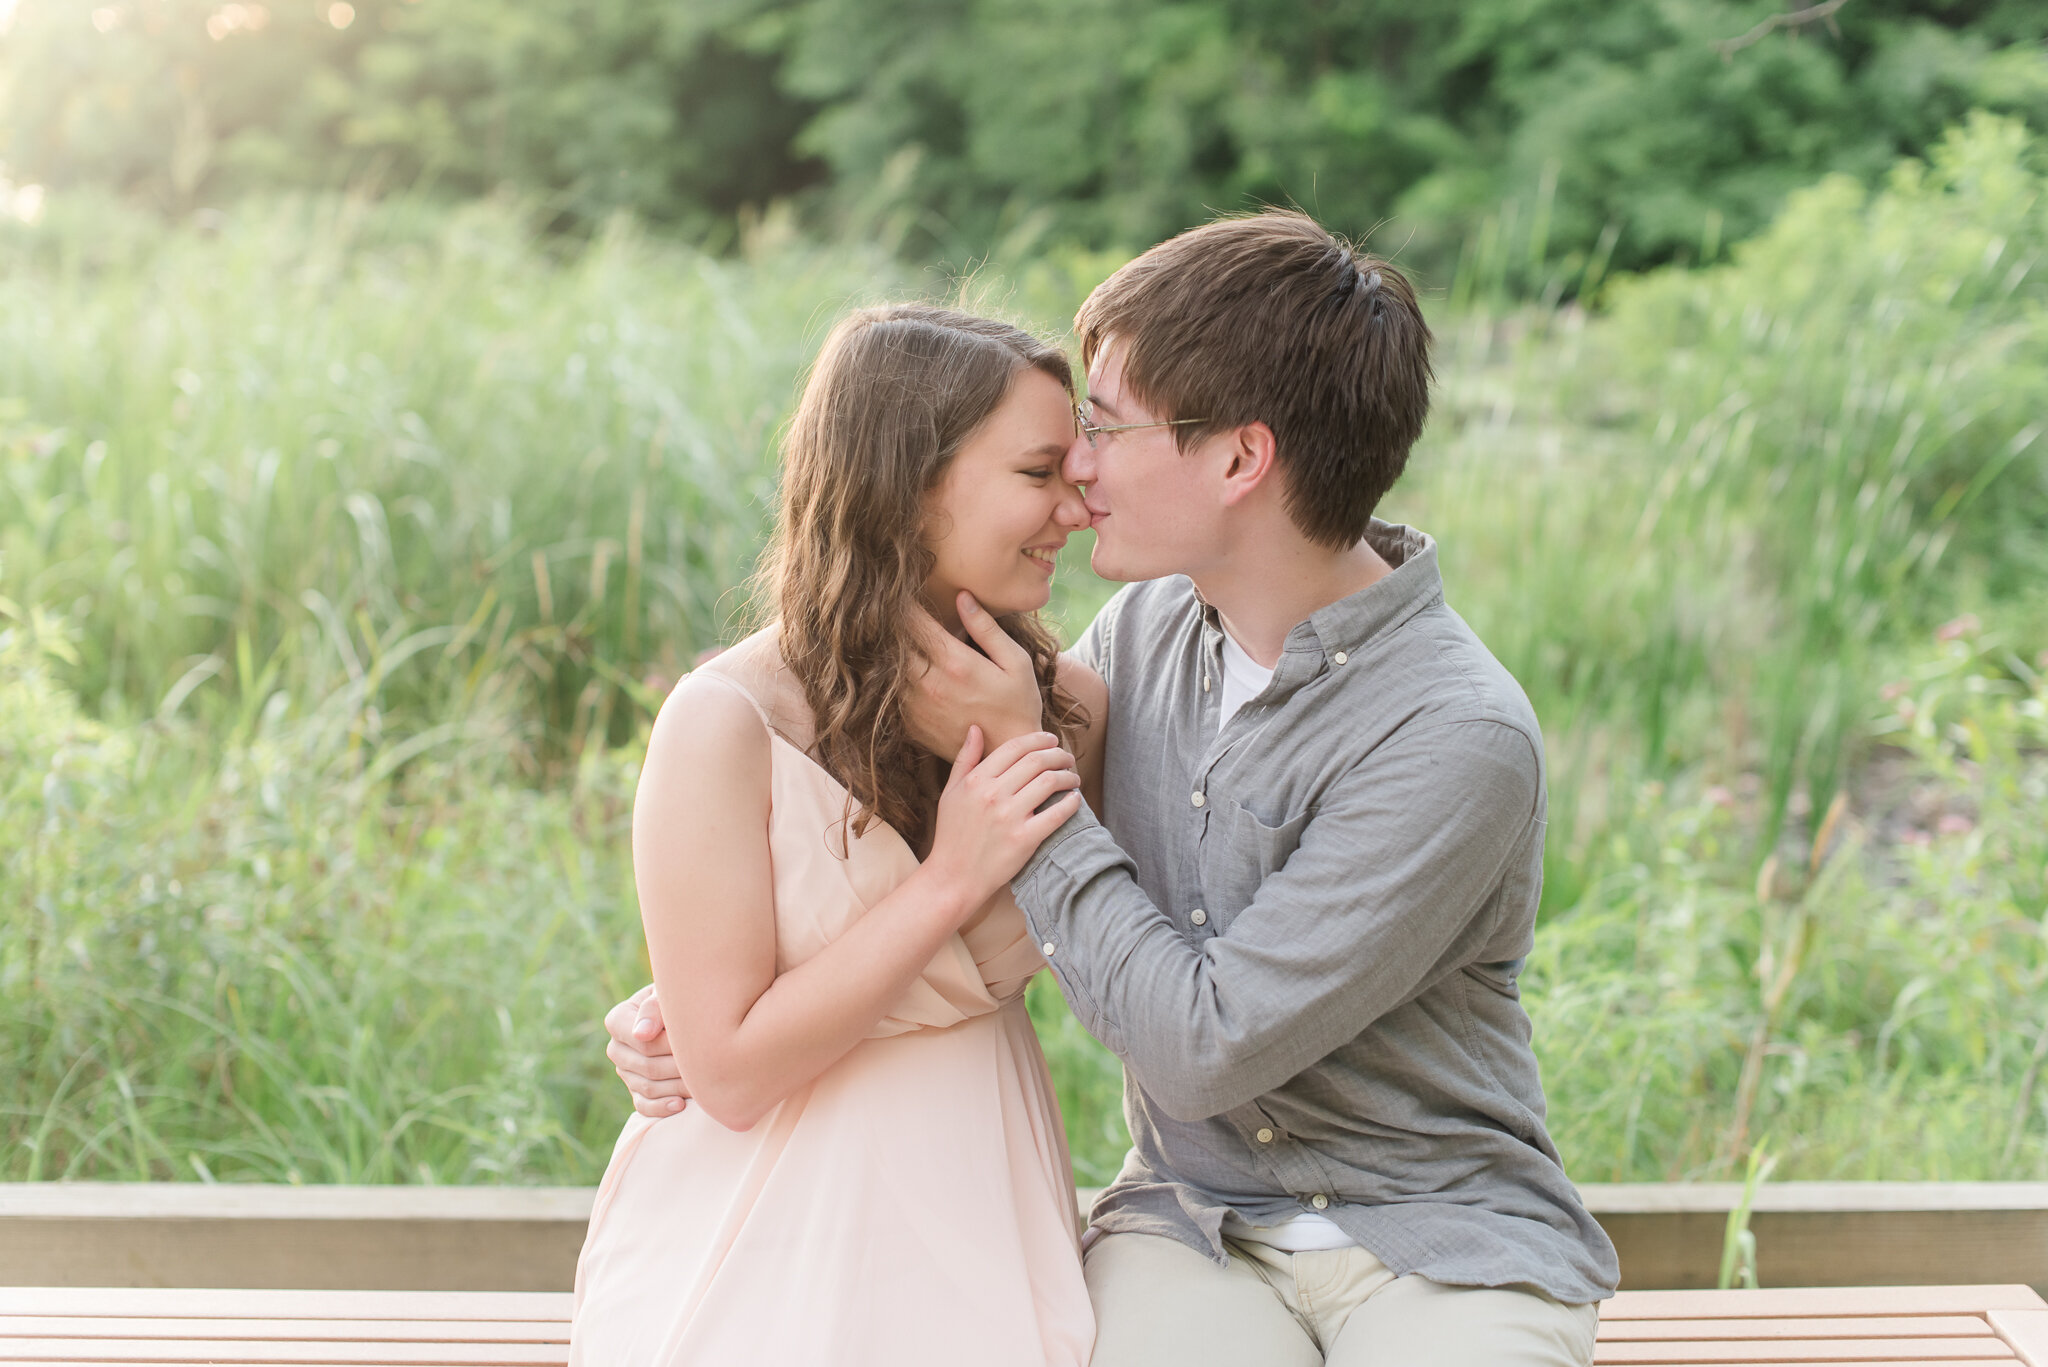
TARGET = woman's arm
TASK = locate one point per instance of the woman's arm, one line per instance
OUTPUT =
(1086, 687)
(744, 1037)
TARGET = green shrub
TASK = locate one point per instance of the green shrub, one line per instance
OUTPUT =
(1542, 134)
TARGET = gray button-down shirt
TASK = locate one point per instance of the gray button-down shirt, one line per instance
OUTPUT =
(1301, 935)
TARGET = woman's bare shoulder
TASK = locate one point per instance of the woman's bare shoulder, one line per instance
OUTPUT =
(708, 730)
(1086, 687)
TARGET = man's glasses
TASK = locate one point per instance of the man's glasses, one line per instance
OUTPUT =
(1092, 431)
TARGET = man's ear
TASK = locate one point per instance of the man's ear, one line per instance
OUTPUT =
(1250, 454)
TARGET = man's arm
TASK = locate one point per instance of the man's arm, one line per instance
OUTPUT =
(1381, 898)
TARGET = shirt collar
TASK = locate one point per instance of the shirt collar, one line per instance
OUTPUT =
(1354, 621)
(1351, 623)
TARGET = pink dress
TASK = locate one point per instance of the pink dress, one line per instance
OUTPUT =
(912, 1205)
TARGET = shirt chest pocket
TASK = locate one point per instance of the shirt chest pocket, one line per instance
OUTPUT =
(1239, 852)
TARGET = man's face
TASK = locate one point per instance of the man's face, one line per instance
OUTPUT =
(1152, 506)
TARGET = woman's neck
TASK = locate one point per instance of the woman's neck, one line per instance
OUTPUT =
(944, 607)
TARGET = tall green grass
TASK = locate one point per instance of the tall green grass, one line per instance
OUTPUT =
(1695, 523)
(242, 956)
(1870, 1006)
(423, 456)
(344, 548)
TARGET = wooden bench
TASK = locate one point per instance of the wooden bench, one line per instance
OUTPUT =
(1844, 1326)
(1962, 1326)
(148, 1325)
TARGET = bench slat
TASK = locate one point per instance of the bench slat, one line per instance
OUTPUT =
(340, 1331)
(1827, 1301)
(1988, 1349)
(183, 1303)
(274, 1352)
(1858, 1327)
(1843, 1326)
(2026, 1331)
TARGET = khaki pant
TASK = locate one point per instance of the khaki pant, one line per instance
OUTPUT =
(1159, 1302)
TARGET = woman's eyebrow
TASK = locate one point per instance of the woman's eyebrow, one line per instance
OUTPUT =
(1053, 449)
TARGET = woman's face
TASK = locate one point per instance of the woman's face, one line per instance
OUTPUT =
(1001, 511)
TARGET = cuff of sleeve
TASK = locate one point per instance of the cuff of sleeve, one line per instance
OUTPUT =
(1048, 890)
(1083, 819)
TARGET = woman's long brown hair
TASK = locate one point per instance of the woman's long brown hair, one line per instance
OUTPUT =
(892, 397)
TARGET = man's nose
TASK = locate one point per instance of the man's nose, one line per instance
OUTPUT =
(1071, 512)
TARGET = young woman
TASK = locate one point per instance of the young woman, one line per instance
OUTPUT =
(872, 1169)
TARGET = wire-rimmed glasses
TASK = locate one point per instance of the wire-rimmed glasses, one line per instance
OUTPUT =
(1092, 431)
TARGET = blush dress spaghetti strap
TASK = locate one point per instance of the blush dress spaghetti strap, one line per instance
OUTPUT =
(911, 1206)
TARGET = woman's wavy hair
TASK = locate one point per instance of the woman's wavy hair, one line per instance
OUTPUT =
(895, 392)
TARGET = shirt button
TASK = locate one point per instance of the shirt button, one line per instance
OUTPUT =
(1341, 658)
(1265, 1136)
(1319, 1201)
(1199, 917)
(1046, 949)
(1198, 799)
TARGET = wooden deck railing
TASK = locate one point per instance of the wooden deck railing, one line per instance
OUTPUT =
(526, 1238)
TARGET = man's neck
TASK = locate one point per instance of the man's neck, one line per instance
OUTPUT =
(1262, 596)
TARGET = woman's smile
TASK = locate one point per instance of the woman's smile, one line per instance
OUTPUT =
(1004, 483)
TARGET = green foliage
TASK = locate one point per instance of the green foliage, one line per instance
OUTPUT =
(1089, 1082)
(979, 128)
(327, 448)
(248, 956)
(1780, 467)
(1124, 123)
(1907, 952)
(303, 776)
(669, 111)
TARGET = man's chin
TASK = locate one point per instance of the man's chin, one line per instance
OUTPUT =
(1107, 565)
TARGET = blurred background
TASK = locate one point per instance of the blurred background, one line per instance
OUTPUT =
(389, 392)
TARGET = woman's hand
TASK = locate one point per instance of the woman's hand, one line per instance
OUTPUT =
(996, 686)
(989, 818)
(642, 1055)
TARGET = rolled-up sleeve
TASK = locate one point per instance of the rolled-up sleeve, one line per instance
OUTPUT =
(1388, 890)
(1093, 649)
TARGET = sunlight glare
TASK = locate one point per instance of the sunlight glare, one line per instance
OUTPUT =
(21, 202)
(232, 18)
(341, 14)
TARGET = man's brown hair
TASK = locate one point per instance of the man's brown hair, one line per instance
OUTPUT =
(1272, 318)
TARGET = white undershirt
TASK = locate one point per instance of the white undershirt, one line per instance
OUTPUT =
(1244, 679)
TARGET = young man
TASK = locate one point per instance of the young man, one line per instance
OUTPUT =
(1301, 914)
